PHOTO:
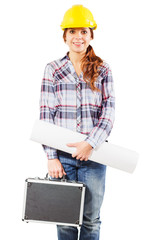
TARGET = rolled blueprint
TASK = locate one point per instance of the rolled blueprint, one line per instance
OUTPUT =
(108, 154)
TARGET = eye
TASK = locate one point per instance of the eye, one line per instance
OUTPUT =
(84, 32)
(71, 31)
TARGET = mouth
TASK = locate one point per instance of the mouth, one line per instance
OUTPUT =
(78, 43)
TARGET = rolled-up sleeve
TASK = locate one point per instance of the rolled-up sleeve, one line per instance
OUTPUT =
(47, 109)
(103, 129)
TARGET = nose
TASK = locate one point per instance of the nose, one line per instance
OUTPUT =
(78, 35)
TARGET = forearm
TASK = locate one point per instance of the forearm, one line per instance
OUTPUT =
(102, 129)
(46, 103)
(51, 153)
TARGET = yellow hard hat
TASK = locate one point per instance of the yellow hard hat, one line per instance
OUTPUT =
(77, 17)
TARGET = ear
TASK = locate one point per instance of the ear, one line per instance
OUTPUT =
(92, 35)
(64, 35)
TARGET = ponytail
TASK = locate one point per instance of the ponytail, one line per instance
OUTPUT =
(90, 67)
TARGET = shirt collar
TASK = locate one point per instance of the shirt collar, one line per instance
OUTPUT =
(66, 60)
(65, 57)
(71, 68)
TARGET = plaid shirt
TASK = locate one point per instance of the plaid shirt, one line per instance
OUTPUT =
(68, 101)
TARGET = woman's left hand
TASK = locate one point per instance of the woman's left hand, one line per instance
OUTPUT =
(83, 150)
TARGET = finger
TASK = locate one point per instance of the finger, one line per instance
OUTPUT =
(78, 157)
(74, 154)
(60, 174)
(56, 174)
(52, 175)
(71, 144)
(64, 173)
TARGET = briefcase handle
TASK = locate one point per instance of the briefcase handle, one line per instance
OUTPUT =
(63, 179)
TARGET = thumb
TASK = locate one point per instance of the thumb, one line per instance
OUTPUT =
(71, 144)
(64, 173)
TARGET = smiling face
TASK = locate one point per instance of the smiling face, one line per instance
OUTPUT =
(78, 39)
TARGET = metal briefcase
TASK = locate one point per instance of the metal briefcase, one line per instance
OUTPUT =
(53, 201)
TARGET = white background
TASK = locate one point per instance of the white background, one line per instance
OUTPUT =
(128, 38)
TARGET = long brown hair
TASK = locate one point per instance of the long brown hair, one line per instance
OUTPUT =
(90, 64)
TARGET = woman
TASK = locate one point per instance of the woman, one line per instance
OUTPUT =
(77, 93)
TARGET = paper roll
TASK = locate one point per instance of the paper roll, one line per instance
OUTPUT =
(107, 154)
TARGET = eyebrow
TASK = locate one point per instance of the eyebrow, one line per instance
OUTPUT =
(78, 28)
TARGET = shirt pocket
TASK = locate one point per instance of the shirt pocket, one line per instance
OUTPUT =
(65, 94)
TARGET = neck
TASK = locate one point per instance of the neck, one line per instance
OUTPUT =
(76, 57)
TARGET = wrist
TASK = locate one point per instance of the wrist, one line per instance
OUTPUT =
(53, 159)
(89, 146)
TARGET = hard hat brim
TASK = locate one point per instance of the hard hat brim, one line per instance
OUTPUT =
(78, 26)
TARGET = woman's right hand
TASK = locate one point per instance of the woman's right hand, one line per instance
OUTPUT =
(55, 168)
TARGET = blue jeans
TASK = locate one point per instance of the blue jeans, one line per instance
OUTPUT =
(92, 174)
